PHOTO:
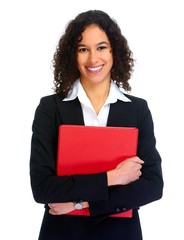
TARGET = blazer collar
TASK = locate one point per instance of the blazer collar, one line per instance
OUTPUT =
(71, 113)
(120, 114)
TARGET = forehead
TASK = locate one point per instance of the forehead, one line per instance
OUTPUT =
(94, 34)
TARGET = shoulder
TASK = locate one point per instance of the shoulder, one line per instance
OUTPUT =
(135, 99)
(50, 101)
(46, 113)
(139, 106)
(137, 102)
(48, 104)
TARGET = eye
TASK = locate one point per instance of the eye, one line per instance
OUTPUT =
(101, 48)
(83, 49)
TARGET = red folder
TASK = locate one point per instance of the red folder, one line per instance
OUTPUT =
(91, 149)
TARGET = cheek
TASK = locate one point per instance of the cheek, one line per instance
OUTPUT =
(80, 67)
(110, 60)
(80, 61)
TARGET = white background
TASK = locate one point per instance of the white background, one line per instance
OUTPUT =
(29, 32)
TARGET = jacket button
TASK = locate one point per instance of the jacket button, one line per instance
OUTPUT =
(117, 210)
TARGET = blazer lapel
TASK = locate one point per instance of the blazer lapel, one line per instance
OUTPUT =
(120, 114)
(70, 112)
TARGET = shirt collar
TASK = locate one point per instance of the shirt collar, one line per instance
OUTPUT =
(114, 94)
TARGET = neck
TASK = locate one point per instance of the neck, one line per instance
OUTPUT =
(97, 93)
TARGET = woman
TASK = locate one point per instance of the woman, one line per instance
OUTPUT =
(92, 62)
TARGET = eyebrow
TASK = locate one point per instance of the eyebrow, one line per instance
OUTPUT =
(100, 43)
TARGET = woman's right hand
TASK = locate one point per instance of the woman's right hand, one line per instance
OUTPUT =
(126, 172)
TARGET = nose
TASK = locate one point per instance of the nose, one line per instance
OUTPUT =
(93, 57)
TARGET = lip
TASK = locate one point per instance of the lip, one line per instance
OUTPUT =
(95, 69)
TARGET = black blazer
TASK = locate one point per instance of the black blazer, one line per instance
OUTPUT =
(47, 187)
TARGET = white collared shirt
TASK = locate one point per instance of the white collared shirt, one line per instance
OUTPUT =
(89, 114)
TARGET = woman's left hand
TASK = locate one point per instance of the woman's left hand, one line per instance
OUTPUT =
(60, 208)
(63, 208)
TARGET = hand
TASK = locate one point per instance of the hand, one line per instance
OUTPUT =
(60, 208)
(126, 172)
(63, 208)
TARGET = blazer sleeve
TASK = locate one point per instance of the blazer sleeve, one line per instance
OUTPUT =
(149, 187)
(46, 186)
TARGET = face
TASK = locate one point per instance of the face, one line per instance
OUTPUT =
(94, 56)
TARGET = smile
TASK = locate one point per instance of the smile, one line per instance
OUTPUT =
(95, 69)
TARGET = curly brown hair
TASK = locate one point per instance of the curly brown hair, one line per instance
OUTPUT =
(65, 62)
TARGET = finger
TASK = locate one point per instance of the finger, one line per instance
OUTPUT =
(138, 160)
(51, 211)
(52, 205)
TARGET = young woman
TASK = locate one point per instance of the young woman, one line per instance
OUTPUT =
(92, 62)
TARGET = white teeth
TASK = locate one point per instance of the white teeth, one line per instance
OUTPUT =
(95, 68)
